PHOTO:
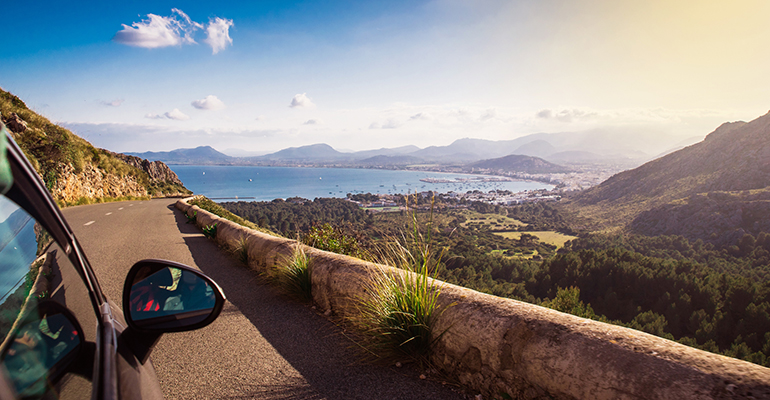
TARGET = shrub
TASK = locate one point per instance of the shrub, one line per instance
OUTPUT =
(332, 238)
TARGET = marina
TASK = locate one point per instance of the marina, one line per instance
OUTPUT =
(227, 183)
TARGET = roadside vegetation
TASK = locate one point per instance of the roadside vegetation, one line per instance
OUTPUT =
(699, 294)
(214, 208)
(400, 310)
(293, 275)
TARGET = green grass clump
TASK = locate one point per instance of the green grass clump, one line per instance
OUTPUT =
(401, 307)
(293, 275)
(241, 250)
(210, 231)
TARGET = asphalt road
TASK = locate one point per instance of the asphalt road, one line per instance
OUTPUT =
(263, 345)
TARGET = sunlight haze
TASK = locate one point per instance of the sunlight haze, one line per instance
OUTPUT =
(263, 76)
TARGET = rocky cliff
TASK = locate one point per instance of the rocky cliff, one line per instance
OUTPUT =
(93, 183)
(74, 170)
(157, 170)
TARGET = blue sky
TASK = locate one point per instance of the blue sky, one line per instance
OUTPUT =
(265, 75)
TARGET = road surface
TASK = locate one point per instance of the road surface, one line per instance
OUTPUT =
(263, 345)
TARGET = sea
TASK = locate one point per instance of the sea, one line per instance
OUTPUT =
(249, 183)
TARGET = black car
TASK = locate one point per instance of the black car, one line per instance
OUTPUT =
(61, 337)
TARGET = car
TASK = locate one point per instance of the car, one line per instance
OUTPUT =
(61, 336)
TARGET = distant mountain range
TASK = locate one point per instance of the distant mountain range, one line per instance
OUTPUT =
(716, 190)
(589, 147)
(323, 154)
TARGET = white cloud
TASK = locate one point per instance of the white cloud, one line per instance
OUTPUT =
(421, 116)
(567, 115)
(375, 125)
(312, 122)
(114, 103)
(176, 115)
(391, 124)
(154, 116)
(489, 114)
(210, 102)
(157, 31)
(260, 118)
(301, 101)
(218, 34)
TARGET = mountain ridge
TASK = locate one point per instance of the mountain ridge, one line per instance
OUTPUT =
(598, 147)
(682, 192)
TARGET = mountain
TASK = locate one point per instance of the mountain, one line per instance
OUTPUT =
(201, 155)
(519, 163)
(313, 152)
(617, 148)
(389, 161)
(362, 155)
(722, 182)
(537, 148)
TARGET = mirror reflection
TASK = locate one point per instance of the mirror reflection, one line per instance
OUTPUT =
(162, 298)
(44, 344)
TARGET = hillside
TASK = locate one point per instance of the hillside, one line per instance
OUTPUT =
(519, 163)
(74, 170)
(657, 197)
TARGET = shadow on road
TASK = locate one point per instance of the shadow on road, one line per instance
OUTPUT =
(311, 344)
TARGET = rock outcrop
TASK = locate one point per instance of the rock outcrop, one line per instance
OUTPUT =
(157, 170)
(15, 124)
(93, 183)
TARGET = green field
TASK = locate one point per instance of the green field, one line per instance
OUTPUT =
(555, 238)
(490, 222)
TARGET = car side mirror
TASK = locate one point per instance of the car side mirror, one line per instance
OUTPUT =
(162, 296)
(41, 348)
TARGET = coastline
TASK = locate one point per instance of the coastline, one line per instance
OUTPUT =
(266, 183)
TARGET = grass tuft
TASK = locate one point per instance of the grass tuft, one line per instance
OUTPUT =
(241, 250)
(401, 307)
(191, 219)
(210, 231)
(293, 275)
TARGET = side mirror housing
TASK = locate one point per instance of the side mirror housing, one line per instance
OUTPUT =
(162, 296)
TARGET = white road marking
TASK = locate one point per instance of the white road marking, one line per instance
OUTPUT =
(109, 213)
(130, 205)
(89, 223)
(120, 208)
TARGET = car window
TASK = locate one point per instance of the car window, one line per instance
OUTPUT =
(48, 323)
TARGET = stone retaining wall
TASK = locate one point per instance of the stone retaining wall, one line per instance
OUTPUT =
(510, 349)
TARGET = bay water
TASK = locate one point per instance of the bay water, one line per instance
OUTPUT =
(226, 183)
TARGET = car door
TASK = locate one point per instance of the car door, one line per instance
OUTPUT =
(60, 337)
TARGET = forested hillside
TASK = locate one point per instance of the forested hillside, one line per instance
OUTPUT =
(698, 293)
